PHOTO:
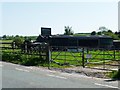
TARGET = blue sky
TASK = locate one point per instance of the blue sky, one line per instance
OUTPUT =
(26, 18)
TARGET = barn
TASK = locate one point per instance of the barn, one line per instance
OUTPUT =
(116, 44)
(80, 41)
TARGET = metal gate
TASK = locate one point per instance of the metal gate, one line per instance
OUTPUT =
(100, 58)
(66, 56)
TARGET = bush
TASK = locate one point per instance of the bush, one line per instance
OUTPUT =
(116, 75)
(30, 62)
(18, 41)
(22, 59)
(5, 57)
(93, 33)
(9, 57)
(33, 61)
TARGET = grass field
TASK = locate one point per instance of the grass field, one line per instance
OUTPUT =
(76, 58)
(6, 40)
(5, 45)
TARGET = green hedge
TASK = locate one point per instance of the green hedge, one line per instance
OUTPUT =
(23, 59)
(116, 75)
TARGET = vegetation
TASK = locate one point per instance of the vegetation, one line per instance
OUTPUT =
(7, 37)
(68, 30)
(18, 41)
(93, 33)
(22, 59)
(115, 75)
(81, 34)
(6, 40)
(104, 31)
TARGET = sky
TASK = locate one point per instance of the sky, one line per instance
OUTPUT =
(27, 18)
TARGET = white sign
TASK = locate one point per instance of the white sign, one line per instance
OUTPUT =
(72, 50)
(88, 56)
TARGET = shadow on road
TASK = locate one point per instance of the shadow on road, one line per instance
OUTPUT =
(110, 80)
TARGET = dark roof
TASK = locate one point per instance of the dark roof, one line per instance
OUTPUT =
(80, 37)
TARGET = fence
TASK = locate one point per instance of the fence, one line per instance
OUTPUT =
(99, 58)
(62, 57)
(29, 55)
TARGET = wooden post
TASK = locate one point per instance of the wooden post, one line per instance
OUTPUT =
(87, 53)
(48, 55)
(83, 58)
(39, 51)
(65, 56)
(13, 46)
(114, 53)
(49, 59)
(118, 72)
(25, 47)
(103, 59)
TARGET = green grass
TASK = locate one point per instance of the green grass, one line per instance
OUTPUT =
(6, 45)
(11, 50)
(96, 59)
(6, 40)
(82, 34)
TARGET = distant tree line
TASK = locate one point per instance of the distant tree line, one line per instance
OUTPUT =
(101, 31)
(18, 40)
(108, 32)
(12, 37)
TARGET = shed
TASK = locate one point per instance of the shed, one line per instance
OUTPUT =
(82, 41)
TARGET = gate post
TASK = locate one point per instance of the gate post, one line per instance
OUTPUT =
(83, 58)
(13, 46)
(87, 58)
(26, 48)
(114, 54)
(49, 59)
(48, 55)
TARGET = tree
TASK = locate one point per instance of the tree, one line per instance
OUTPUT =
(93, 33)
(102, 28)
(116, 33)
(4, 36)
(17, 36)
(110, 31)
(18, 41)
(119, 35)
(68, 30)
(99, 33)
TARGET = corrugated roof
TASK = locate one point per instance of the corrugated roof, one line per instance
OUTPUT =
(81, 37)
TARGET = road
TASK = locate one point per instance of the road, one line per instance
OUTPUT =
(17, 76)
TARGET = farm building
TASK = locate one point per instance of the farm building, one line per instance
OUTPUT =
(81, 41)
(116, 44)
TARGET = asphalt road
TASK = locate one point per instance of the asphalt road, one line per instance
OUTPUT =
(17, 76)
